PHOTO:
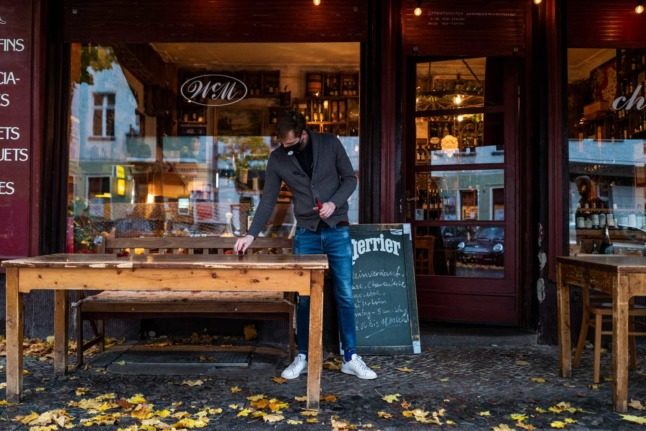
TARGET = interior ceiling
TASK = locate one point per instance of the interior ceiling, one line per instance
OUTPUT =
(581, 61)
(241, 55)
(448, 69)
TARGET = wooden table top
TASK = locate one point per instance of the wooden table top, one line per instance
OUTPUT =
(612, 262)
(172, 261)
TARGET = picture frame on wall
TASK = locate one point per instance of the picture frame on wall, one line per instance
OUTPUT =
(239, 121)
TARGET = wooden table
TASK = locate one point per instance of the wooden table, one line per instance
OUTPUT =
(63, 272)
(622, 277)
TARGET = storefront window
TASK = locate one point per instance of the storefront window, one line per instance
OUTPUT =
(607, 152)
(173, 139)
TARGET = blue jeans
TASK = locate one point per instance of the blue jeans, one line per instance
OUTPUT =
(335, 243)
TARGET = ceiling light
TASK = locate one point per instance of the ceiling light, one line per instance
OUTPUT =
(316, 2)
(639, 9)
(538, 1)
(457, 100)
(418, 8)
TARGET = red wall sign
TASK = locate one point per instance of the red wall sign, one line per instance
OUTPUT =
(15, 128)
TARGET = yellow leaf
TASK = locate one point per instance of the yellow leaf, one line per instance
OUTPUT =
(450, 422)
(142, 411)
(279, 380)
(391, 398)
(100, 420)
(503, 427)
(276, 405)
(273, 418)
(137, 399)
(634, 419)
(444, 379)
(301, 399)
(525, 426)
(40, 389)
(636, 404)
(294, 422)
(250, 332)
(180, 415)
(408, 413)
(192, 383)
(558, 424)
(44, 428)
(192, 423)
(243, 413)
(406, 405)
(485, 413)
(522, 363)
(516, 417)
(564, 407)
(594, 387)
(260, 404)
(404, 369)
(162, 413)
(538, 380)
(234, 406)
(256, 397)
(384, 415)
(235, 389)
(329, 398)
(4, 403)
(312, 421)
(540, 410)
(308, 412)
(569, 421)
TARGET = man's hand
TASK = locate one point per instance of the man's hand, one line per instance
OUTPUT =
(326, 210)
(243, 243)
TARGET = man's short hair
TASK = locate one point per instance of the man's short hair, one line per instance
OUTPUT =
(291, 121)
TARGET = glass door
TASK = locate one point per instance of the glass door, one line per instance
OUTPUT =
(461, 190)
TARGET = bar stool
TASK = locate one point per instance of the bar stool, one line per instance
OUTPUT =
(595, 308)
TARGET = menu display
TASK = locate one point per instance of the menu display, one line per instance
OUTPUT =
(15, 128)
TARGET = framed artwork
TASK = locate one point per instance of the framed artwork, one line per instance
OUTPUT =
(238, 121)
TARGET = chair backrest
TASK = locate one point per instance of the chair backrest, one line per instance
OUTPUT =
(190, 245)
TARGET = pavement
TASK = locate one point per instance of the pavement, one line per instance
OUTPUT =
(464, 379)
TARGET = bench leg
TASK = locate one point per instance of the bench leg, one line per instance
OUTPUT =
(292, 335)
(79, 336)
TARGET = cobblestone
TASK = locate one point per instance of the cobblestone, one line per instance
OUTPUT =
(478, 387)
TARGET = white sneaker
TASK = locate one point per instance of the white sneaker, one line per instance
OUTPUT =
(357, 367)
(298, 366)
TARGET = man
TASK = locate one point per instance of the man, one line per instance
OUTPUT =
(319, 173)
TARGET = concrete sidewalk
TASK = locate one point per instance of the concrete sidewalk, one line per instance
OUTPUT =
(471, 379)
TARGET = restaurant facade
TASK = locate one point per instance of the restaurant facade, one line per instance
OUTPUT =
(506, 132)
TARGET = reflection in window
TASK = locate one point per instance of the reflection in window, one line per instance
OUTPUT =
(462, 251)
(147, 161)
(607, 132)
(103, 119)
(460, 195)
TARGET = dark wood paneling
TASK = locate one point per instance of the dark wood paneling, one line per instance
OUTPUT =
(497, 310)
(465, 27)
(605, 24)
(144, 21)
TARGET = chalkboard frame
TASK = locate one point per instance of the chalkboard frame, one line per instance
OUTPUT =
(413, 339)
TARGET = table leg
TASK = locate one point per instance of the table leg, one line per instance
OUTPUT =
(60, 331)
(563, 306)
(14, 329)
(315, 347)
(620, 300)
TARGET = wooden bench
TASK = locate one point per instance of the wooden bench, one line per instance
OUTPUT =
(139, 305)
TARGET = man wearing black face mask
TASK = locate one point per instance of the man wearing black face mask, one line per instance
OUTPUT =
(318, 171)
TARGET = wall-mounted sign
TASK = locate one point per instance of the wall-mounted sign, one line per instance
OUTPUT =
(213, 90)
(15, 128)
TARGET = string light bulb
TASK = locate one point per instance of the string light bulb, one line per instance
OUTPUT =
(639, 9)
(418, 8)
(538, 1)
(316, 2)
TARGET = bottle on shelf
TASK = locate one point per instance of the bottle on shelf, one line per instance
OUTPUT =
(606, 246)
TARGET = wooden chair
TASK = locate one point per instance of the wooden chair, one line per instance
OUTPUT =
(597, 310)
(424, 246)
(97, 307)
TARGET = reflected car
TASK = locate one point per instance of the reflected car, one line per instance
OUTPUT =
(452, 236)
(486, 246)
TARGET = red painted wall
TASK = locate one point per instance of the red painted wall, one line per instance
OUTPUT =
(16, 125)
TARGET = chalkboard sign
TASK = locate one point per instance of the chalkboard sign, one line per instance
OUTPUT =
(384, 292)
